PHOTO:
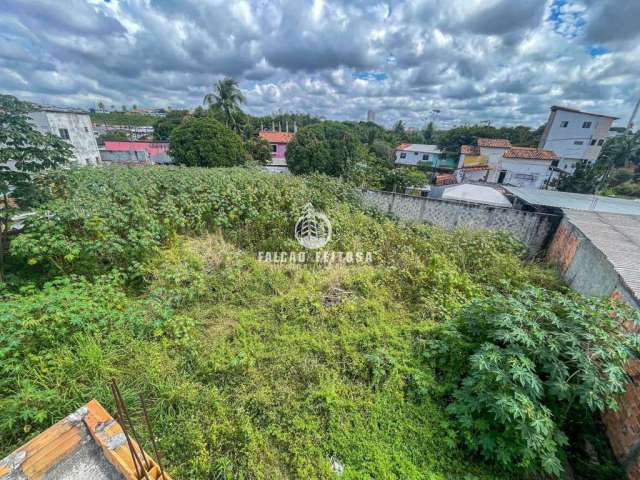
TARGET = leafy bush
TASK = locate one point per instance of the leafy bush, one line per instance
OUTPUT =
(118, 217)
(522, 364)
(327, 147)
(205, 142)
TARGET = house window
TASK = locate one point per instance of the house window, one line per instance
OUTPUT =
(593, 142)
(601, 141)
(403, 155)
(425, 156)
(578, 142)
(586, 125)
(274, 148)
(564, 124)
(524, 176)
(64, 133)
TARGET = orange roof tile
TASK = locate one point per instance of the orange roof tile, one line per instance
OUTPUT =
(276, 137)
(494, 142)
(530, 153)
(402, 146)
(469, 150)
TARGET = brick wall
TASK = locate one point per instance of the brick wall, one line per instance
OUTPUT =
(587, 271)
(623, 426)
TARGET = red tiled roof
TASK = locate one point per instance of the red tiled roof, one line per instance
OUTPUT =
(445, 180)
(402, 146)
(276, 137)
(469, 150)
(494, 142)
(531, 153)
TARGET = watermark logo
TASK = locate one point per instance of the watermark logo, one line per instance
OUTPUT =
(313, 228)
(313, 231)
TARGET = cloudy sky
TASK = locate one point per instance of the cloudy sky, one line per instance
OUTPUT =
(505, 61)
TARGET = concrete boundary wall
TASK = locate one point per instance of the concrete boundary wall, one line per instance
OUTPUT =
(532, 228)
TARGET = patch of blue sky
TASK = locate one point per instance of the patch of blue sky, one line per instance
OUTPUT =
(567, 18)
(597, 50)
(378, 76)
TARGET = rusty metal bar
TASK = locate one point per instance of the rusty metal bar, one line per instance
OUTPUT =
(153, 441)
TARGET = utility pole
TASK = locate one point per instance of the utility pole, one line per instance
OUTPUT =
(633, 116)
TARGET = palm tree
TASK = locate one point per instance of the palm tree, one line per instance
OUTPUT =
(620, 151)
(227, 96)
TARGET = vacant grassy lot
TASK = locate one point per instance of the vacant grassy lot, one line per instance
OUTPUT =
(255, 370)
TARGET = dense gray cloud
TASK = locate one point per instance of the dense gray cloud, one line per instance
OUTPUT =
(474, 60)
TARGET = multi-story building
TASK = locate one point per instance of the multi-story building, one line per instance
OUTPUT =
(74, 126)
(495, 160)
(575, 136)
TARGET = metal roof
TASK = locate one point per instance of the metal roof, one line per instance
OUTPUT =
(617, 237)
(576, 201)
(418, 147)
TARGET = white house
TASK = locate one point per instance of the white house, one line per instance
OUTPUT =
(74, 126)
(495, 160)
(575, 136)
(410, 154)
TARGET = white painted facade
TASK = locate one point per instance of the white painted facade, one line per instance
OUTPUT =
(575, 136)
(526, 173)
(416, 152)
(75, 128)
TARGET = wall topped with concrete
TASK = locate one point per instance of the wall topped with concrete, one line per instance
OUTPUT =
(532, 228)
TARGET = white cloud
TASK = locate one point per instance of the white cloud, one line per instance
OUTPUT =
(496, 60)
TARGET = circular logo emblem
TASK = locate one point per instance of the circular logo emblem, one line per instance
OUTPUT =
(313, 228)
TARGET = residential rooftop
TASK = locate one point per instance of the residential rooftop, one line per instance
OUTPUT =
(575, 201)
(494, 142)
(530, 153)
(276, 137)
(617, 236)
(418, 147)
(566, 109)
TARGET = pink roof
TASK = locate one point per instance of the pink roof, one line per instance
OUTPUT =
(152, 148)
(276, 137)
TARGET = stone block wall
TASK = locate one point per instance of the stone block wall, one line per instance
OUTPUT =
(534, 229)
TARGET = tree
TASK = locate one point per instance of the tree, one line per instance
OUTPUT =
(101, 106)
(259, 150)
(585, 179)
(398, 128)
(124, 108)
(117, 136)
(205, 142)
(398, 179)
(327, 147)
(24, 152)
(620, 151)
(429, 133)
(226, 96)
(163, 126)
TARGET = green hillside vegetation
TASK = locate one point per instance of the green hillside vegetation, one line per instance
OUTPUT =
(123, 118)
(262, 370)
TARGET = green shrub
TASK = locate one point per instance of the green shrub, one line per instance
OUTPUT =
(205, 142)
(327, 147)
(522, 364)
